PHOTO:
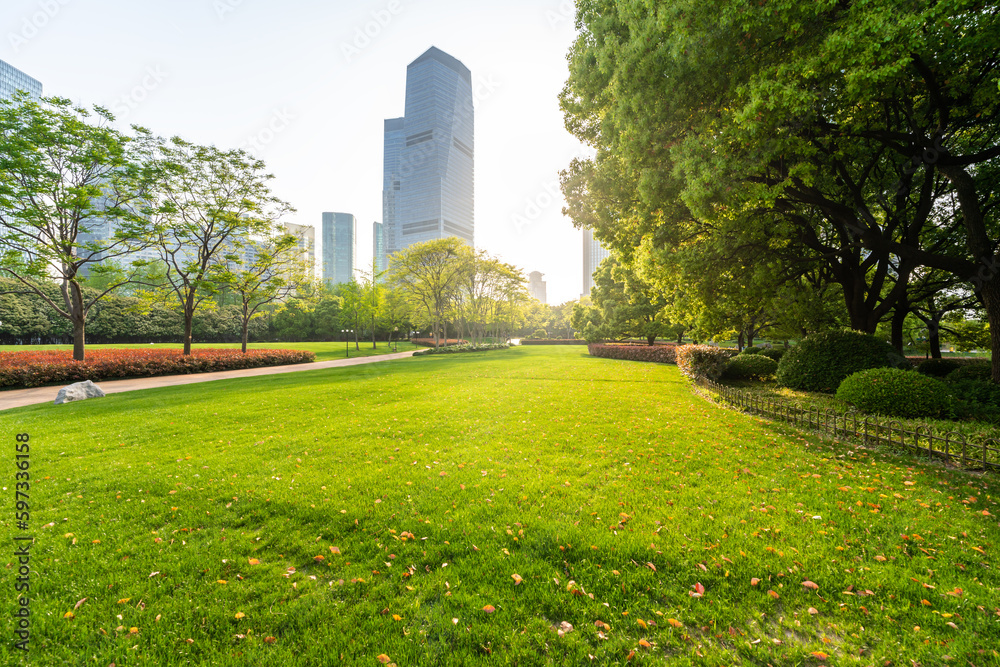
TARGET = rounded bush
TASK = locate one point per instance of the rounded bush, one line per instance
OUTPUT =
(752, 349)
(896, 393)
(977, 370)
(775, 353)
(750, 367)
(937, 367)
(821, 362)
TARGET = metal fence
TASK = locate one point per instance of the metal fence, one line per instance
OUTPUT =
(969, 453)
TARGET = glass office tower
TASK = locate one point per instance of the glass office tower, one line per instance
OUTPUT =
(340, 247)
(13, 79)
(428, 168)
(593, 254)
(378, 246)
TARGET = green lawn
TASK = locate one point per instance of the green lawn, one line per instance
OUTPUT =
(324, 351)
(459, 509)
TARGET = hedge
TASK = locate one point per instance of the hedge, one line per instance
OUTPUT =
(664, 354)
(703, 361)
(34, 369)
(750, 367)
(821, 361)
(455, 349)
(553, 341)
(896, 393)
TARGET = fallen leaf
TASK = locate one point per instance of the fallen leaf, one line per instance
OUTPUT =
(269, 640)
(397, 617)
(517, 579)
(80, 603)
(335, 550)
(642, 624)
(810, 584)
(813, 611)
(383, 658)
(254, 561)
(754, 581)
(819, 654)
(773, 594)
(489, 609)
(70, 615)
(644, 643)
(674, 622)
(239, 615)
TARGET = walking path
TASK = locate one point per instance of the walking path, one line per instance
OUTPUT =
(17, 398)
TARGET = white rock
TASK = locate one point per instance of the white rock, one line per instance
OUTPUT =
(80, 391)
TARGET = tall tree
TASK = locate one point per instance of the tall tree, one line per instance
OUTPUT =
(71, 192)
(269, 270)
(208, 203)
(430, 273)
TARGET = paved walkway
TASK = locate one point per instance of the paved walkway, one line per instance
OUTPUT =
(17, 398)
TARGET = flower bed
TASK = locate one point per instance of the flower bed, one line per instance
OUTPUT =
(664, 354)
(553, 341)
(430, 341)
(34, 369)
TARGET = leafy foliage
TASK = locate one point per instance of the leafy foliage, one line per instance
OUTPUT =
(775, 353)
(455, 349)
(703, 361)
(750, 367)
(937, 367)
(821, 362)
(896, 393)
(977, 370)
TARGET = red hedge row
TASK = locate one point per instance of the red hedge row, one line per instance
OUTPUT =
(664, 354)
(33, 369)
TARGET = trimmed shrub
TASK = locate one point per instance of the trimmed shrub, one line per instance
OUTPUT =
(750, 367)
(896, 393)
(664, 354)
(539, 333)
(456, 349)
(752, 349)
(821, 362)
(977, 370)
(775, 353)
(976, 399)
(703, 361)
(34, 369)
(937, 367)
(554, 341)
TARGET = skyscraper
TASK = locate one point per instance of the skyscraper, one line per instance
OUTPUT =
(536, 286)
(378, 246)
(428, 160)
(13, 79)
(340, 247)
(593, 254)
(306, 234)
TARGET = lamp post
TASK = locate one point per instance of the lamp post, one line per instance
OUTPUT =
(347, 343)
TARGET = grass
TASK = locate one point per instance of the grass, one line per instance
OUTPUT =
(324, 351)
(611, 491)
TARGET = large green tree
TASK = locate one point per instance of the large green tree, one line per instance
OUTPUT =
(859, 135)
(72, 191)
(208, 203)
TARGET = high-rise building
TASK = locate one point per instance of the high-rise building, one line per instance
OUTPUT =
(536, 286)
(428, 160)
(378, 246)
(13, 79)
(593, 254)
(340, 247)
(306, 234)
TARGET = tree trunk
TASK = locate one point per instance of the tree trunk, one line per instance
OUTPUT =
(739, 342)
(651, 340)
(374, 345)
(899, 314)
(79, 321)
(934, 337)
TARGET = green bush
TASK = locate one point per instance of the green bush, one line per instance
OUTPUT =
(540, 333)
(896, 393)
(937, 367)
(976, 399)
(457, 349)
(977, 370)
(751, 349)
(750, 367)
(775, 353)
(703, 361)
(821, 362)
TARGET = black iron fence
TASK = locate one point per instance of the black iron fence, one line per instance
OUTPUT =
(956, 448)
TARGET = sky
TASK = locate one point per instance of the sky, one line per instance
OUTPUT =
(306, 84)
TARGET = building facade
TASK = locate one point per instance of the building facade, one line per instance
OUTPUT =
(378, 247)
(593, 254)
(306, 235)
(429, 156)
(340, 247)
(536, 286)
(13, 80)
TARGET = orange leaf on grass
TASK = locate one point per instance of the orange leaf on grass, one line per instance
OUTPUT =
(335, 550)
(489, 609)
(70, 615)
(773, 594)
(674, 622)
(754, 581)
(644, 643)
(269, 640)
(810, 584)
(383, 658)
(254, 561)
(517, 579)
(819, 654)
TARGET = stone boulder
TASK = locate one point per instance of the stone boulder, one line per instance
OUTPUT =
(80, 391)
